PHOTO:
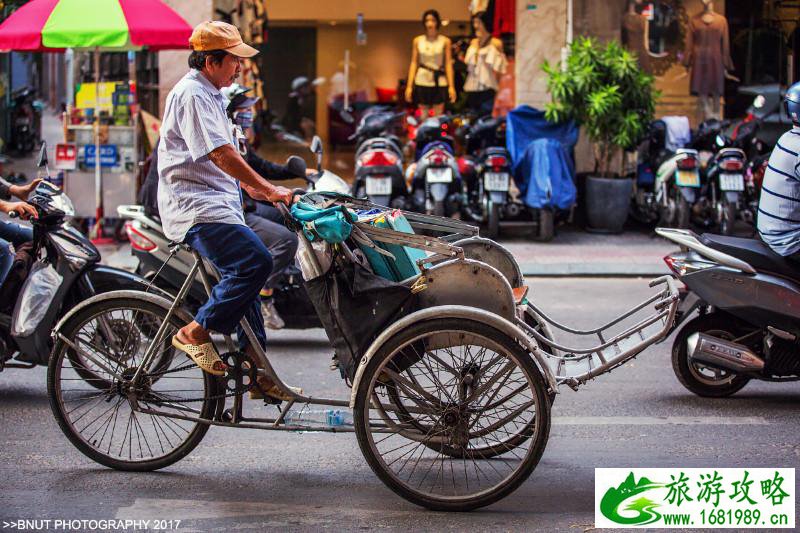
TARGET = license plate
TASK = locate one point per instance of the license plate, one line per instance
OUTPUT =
(439, 175)
(496, 181)
(379, 185)
(731, 182)
(687, 178)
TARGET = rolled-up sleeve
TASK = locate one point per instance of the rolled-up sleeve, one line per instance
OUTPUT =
(201, 133)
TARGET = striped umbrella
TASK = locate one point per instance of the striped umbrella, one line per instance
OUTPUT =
(111, 25)
(51, 25)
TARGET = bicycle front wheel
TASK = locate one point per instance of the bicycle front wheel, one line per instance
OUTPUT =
(126, 424)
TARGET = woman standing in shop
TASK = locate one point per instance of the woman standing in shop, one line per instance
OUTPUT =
(430, 74)
(486, 62)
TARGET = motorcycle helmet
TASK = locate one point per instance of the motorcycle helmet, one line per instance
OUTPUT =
(302, 81)
(792, 102)
(239, 100)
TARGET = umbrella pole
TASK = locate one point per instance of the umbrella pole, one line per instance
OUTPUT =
(97, 231)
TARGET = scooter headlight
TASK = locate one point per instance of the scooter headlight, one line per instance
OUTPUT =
(64, 204)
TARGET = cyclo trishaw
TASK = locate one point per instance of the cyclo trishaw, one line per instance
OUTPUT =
(453, 369)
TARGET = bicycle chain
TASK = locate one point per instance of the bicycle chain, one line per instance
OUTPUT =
(242, 357)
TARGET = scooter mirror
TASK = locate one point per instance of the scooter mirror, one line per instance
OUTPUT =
(296, 166)
(347, 116)
(316, 145)
(42, 155)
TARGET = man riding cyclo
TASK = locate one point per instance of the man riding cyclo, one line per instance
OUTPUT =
(779, 205)
(263, 218)
(201, 175)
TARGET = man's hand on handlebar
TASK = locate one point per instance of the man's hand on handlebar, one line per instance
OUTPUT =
(277, 194)
(23, 210)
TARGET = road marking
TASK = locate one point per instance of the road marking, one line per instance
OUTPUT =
(659, 421)
(198, 509)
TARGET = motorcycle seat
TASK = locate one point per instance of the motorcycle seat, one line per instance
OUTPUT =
(754, 252)
(495, 150)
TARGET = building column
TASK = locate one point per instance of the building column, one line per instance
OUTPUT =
(541, 33)
(172, 65)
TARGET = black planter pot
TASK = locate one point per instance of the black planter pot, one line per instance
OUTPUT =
(607, 203)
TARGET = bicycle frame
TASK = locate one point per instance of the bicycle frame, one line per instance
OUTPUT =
(265, 368)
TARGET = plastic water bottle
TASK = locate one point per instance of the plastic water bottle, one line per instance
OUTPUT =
(324, 417)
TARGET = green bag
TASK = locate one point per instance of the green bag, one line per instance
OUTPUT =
(331, 224)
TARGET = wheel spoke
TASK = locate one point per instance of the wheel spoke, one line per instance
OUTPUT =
(473, 407)
(95, 364)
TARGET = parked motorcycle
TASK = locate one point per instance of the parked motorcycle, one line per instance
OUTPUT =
(66, 270)
(486, 170)
(724, 183)
(436, 184)
(667, 183)
(25, 121)
(379, 160)
(747, 325)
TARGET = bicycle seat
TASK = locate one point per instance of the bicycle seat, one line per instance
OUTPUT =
(177, 246)
(753, 251)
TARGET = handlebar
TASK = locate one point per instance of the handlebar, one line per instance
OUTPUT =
(283, 209)
(13, 214)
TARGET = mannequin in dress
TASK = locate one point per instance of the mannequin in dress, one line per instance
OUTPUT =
(486, 62)
(430, 75)
(708, 59)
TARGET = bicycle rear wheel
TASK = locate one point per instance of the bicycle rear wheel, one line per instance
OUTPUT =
(452, 414)
(103, 416)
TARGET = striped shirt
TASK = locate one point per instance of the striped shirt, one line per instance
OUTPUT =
(191, 189)
(779, 205)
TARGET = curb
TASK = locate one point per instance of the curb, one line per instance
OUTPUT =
(593, 270)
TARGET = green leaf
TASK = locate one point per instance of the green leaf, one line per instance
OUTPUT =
(602, 88)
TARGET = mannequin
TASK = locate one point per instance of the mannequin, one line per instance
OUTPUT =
(486, 62)
(430, 74)
(708, 59)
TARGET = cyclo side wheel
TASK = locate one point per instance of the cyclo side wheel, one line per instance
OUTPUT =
(452, 414)
(100, 417)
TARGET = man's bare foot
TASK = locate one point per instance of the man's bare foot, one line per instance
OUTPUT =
(193, 333)
(267, 385)
(195, 341)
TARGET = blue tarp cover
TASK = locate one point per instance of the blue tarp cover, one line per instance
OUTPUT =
(541, 154)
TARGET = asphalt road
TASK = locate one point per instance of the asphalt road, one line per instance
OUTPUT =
(241, 480)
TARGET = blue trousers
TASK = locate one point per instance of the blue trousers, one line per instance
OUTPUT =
(244, 264)
(15, 234)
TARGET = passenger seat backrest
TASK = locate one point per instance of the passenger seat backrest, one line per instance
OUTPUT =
(404, 265)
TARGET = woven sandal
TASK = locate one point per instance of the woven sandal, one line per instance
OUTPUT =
(271, 390)
(204, 355)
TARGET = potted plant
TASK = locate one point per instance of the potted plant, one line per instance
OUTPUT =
(603, 89)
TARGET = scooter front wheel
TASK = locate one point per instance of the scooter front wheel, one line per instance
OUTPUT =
(493, 222)
(727, 218)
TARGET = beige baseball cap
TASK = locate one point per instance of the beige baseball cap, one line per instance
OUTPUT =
(216, 35)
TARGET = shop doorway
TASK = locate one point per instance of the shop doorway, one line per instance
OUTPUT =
(289, 53)
(763, 35)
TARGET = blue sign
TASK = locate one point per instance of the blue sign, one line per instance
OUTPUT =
(108, 155)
